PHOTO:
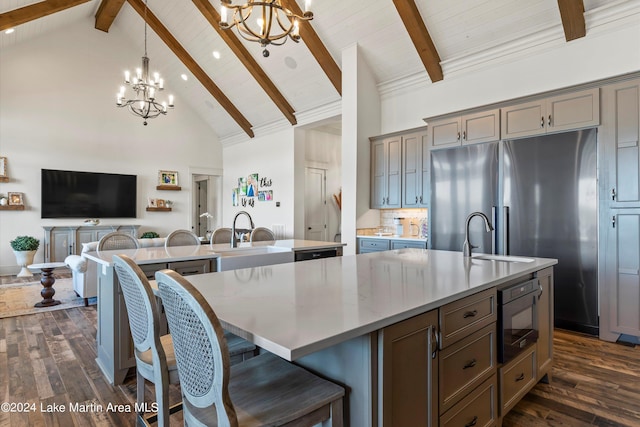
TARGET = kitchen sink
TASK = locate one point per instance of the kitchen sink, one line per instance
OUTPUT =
(235, 258)
(503, 258)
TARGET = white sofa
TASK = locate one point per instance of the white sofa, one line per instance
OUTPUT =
(84, 273)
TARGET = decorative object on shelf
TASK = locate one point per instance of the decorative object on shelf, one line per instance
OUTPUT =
(25, 248)
(167, 178)
(3, 169)
(424, 228)
(160, 203)
(91, 221)
(145, 86)
(208, 216)
(3, 201)
(268, 13)
(168, 203)
(149, 235)
(338, 199)
(15, 199)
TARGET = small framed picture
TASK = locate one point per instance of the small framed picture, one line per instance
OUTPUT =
(160, 203)
(167, 177)
(3, 167)
(15, 199)
(153, 203)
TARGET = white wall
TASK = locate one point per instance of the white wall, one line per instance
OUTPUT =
(57, 111)
(270, 156)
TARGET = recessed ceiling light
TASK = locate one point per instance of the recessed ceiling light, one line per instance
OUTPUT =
(9, 30)
(184, 77)
(216, 54)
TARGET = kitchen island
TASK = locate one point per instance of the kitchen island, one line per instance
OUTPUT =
(114, 346)
(337, 317)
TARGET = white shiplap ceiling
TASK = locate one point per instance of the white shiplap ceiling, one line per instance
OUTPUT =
(465, 32)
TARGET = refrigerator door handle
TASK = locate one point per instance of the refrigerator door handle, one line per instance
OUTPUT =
(494, 221)
(505, 230)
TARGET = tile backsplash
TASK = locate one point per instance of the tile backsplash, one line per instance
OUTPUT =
(409, 218)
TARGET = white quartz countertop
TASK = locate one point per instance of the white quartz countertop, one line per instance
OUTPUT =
(151, 255)
(392, 237)
(296, 309)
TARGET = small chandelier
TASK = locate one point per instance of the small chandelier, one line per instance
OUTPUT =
(145, 86)
(263, 29)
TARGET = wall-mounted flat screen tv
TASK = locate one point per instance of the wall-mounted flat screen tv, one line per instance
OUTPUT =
(70, 194)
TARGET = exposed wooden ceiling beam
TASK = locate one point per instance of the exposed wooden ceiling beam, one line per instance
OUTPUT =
(19, 16)
(316, 47)
(417, 30)
(106, 14)
(212, 15)
(191, 64)
(572, 13)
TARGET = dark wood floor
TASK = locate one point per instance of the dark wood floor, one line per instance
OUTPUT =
(48, 359)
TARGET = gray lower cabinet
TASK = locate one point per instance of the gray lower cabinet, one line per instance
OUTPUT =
(372, 245)
(576, 110)
(402, 244)
(409, 372)
(62, 241)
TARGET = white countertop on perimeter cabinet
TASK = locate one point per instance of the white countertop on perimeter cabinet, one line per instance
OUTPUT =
(392, 237)
(158, 254)
(296, 309)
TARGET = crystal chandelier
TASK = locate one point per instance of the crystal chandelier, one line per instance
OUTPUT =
(272, 25)
(145, 86)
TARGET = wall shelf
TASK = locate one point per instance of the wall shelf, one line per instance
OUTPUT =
(4, 179)
(169, 187)
(150, 209)
(12, 208)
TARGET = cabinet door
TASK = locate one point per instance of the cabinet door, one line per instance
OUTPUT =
(394, 171)
(415, 170)
(621, 130)
(623, 272)
(444, 133)
(544, 350)
(573, 111)
(61, 244)
(378, 175)
(481, 127)
(188, 268)
(523, 120)
(409, 362)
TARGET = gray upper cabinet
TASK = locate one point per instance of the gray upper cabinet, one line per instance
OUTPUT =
(415, 170)
(473, 128)
(386, 155)
(555, 114)
(621, 130)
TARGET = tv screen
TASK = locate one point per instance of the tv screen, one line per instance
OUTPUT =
(69, 194)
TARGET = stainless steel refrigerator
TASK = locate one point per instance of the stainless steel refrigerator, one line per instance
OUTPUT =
(541, 195)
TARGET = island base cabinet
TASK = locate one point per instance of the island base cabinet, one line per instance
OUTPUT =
(408, 370)
(516, 379)
(478, 409)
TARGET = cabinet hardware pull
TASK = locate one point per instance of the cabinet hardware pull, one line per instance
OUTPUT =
(420, 199)
(470, 364)
(416, 199)
(520, 377)
(464, 135)
(549, 119)
(541, 290)
(470, 314)
(472, 422)
(189, 272)
(434, 353)
(613, 194)
(542, 121)
(458, 136)
(613, 221)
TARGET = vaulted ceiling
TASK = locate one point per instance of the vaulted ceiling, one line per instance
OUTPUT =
(244, 91)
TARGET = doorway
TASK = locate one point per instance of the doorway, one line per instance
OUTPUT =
(315, 204)
(205, 201)
(201, 223)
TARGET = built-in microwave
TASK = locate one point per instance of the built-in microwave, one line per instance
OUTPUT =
(517, 318)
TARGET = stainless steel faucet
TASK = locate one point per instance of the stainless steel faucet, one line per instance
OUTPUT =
(467, 246)
(234, 242)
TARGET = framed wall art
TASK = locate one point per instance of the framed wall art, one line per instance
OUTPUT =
(3, 167)
(168, 178)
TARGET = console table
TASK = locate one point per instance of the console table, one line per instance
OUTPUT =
(65, 240)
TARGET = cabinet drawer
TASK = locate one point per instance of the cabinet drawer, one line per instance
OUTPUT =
(461, 318)
(516, 378)
(479, 408)
(374, 244)
(150, 269)
(466, 364)
(402, 244)
(187, 268)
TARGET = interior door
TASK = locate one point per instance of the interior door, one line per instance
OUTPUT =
(315, 205)
(201, 192)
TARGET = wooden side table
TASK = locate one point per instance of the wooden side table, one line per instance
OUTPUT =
(47, 280)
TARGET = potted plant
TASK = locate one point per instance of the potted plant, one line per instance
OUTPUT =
(149, 235)
(25, 248)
